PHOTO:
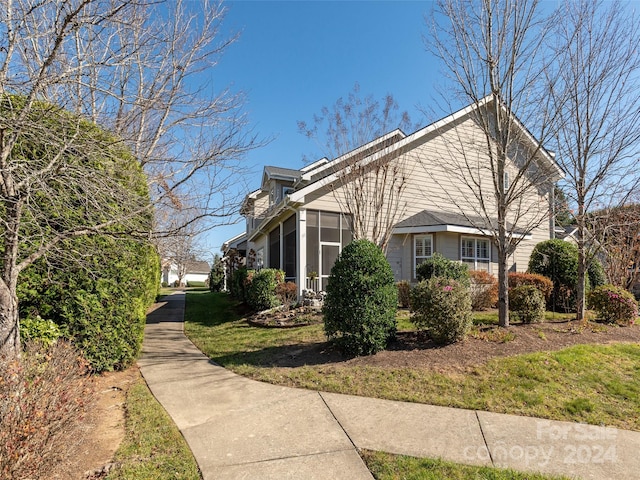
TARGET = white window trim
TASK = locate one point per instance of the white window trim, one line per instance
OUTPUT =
(415, 256)
(475, 257)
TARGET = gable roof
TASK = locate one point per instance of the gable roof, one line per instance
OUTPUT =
(429, 221)
(331, 174)
(279, 173)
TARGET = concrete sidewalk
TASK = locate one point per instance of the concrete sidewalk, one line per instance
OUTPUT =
(242, 429)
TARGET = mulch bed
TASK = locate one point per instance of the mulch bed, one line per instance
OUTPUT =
(414, 350)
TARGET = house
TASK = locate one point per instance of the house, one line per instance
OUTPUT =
(297, 221)
(174, 273)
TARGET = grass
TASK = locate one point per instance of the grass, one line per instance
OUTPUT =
(385, 466)
(596, 384)
(153, 446)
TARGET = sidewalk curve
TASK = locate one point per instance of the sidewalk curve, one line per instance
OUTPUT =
(239, 428)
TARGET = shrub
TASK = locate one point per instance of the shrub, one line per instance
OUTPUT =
(216, 275)
(196, 283)
(526, 303)
(542, 283)
(100, 305)
(439, 266)
(442, 308)
(238, 284)
(484, 290)
(361, 300)
(287, 293)
(261, 292)
(557, 260)
(614, 304)
(44, 395)
(596, 274)
(404, 293)
(38, 329)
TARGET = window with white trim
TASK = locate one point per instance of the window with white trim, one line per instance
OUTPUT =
(422, 248)
(476, 252)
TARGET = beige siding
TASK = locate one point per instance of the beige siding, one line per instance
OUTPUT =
(435, 169)
(395, 257)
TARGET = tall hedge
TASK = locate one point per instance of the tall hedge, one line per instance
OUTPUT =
(100, 302)
(361, 302)
(558, 260)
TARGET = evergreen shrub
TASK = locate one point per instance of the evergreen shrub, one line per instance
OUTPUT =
(439, 266)
(361, 300)
(614, 304)
(261, 292)
(527, 304)
(441, 308)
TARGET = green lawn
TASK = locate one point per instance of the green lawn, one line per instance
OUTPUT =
(597, 384)
(385, 466)
(153, 447)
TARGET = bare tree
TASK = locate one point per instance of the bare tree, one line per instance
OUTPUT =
(369, 180)
(598, 126)
(618, 233)
(491, 52)
(139, 69)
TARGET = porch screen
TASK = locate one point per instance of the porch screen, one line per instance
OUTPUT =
(289, 239)
(274, 248)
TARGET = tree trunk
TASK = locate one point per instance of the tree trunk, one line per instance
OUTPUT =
(9, 323)
(503, 290)
(581, 283)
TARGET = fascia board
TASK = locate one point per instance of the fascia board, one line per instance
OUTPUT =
(416, 136)
(452, 229)
(307, 175)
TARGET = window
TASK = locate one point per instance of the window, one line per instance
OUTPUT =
(286, 191)
(506, 181)
(476, 252)
(423, 249)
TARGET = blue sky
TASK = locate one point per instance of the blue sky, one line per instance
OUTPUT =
(293, 58)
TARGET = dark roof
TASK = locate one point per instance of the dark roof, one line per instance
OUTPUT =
(429, 218)
(198, 267)
(272, 171)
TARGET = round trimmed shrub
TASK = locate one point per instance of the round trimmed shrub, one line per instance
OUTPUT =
(261, 292)
(361, 300)
(614, 304)
(439, 266)
(527, 304)
(442, 308)
(542, 283)
(483, 289)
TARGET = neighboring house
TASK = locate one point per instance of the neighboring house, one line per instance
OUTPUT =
(294, 221)
(193, 271)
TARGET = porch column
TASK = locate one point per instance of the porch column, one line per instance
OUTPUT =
(301, 251)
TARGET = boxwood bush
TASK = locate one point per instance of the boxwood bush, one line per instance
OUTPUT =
(261, 292)
(527, 304)
(361, 301)
(614, 304)
(439, 266)
(441, 308)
